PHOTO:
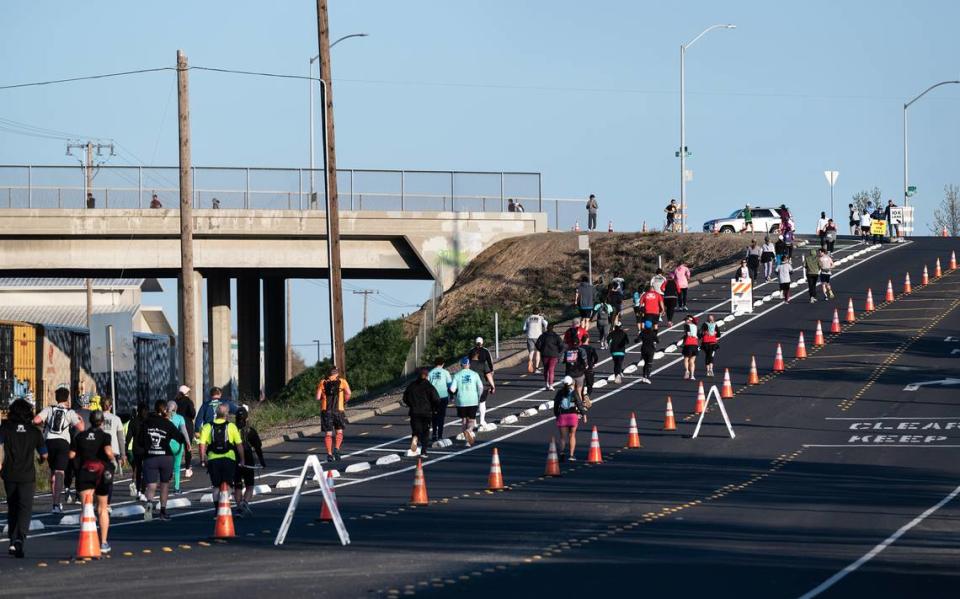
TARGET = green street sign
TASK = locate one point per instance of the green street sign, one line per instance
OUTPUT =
(911, 191)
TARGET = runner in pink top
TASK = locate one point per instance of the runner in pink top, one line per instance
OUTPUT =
(682, 276)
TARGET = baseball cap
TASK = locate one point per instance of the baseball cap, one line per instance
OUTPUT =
(568, 380)
(184, 389)
(478, 340)
(464, 361)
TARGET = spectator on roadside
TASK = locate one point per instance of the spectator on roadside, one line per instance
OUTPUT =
(747, 219)
(830, 235)
(767, 253)
(822, 229)
(534, 326)
(91, 201)
(155, 202)
(550, 346)
(893, 228)
(854, 221)
(592, 208)
(682, 276)
(422, 400)
(753, 259)
(811, 268)
(20, 440)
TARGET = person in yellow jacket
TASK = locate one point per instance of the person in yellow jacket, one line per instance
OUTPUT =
(333, 393)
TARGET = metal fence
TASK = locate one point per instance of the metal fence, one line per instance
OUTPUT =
(35, 186)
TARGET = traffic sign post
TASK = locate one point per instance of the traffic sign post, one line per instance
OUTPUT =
(831, 180)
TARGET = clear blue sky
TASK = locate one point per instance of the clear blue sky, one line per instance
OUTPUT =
(587, 93)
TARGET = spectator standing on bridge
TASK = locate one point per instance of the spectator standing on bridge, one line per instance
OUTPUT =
(215, 204)
(691, 345)
(511, 206)
(747, 219)
(550, 346)
(20, 440)
(482, 363)
(603, 315)
(440, 378)
(671, 295)
(178, 448)
(592, 208)
(92, 451)
(585, 297)
(333, 393)
(568, 408)
(155, 202)
(822, 229)
(244, 478)
(709, 341)
(854, 219)
(682, 275)
(784, 275)
(186, 409)
(753, 259)
(811, 268)
(826, 268)
(648, 348)
(533, 327)
(767, 253)
(468, 387)
(91, 201)
(57, 421)
(423, 401)
(617, 343)
(155, 439)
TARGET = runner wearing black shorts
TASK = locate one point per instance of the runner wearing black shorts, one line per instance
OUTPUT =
(93, 455)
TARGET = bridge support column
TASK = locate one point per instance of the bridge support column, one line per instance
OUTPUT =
(274, 335)
(219, 336)
(248, 337)
(197, 394)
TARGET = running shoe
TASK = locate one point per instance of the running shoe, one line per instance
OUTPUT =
(188, 473)
(813, 300)
(12, 549)
(148, 511)
(164, 516)
(57, 508)
(572, 459)
(647, 381)
(329, 457)
(104, 548)
(336, 455)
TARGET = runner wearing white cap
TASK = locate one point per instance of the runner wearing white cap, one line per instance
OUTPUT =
(568, 408)
(482, 363)
(188, 411)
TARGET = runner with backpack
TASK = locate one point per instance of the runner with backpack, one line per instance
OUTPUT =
(57, 421)
(333, 393)
(221, 448)
(575, 363)
(568, 409)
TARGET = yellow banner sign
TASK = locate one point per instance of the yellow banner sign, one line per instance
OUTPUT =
(878, 227)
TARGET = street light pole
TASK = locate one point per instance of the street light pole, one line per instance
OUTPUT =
(683, 120)
(906, 166)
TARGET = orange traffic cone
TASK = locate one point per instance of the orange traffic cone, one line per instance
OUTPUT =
(701, 400)
(224, 527)
(869, 306)
(953, 260)
(801, 348)
(325, 514)
(553, 462)
(495, 479)
(89, 545)
(937, 271)
(835, 323)
(906, 284)
(851, 315)
(778, 360)
(726, 389)
(753, 378)
(669, 422)
(576, 226)
(610, 226)
(924, 278)
(419, 495)
(945, 233)
(633, 435)
(889, 296)
(594, 456)
(818, 335)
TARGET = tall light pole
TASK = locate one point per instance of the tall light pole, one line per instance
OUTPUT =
(311, 83)
(906, 169)
(683, 121)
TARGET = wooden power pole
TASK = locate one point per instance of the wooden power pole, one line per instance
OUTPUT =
(188, 336)
(332, 205)
(366, 293)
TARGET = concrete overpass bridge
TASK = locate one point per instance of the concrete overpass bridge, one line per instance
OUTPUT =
(258, 248)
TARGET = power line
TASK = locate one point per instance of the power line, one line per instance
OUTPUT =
(85, 78)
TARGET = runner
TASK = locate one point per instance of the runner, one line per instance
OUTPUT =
(671, 211)
(826, 267)
(83, 410)
(753, 260)
(468, 386)
(92, 452)
(682, 275)
(57, 421)
(658, 280)
(155, 436)
(585, 297)
(690, 347)
(533, 326)
(786, 220)
(221, 449)
(822, 229)
(652, 306)
(179, 449)
(590, 360)
(618, 350)
(747, 219)
(830, 235)
(423, 402)
(648, 347)
(671, 295)
(788, 243)
(568, 408)
(743, 271)
(244, 477)
(767, 253)
(113, 426)
(575, 364)
(709, 341)
(440, 378)
(550, 346)
(19, 440)
(603, 315)
(854, 221)
(333, 393)
(784, 275)
(811, 267)
(208, 411)
(482, 363)
(188, 411)
(136, 451)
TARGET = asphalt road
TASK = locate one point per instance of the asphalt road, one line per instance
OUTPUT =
(833, 461)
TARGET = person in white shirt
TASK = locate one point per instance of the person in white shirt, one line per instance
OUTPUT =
(822, 228)
(784, 275)
(534, 326)
(865, 222)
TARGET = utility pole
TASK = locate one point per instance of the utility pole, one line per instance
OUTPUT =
(366, 293)
(288, 374)
(188, 336)
(332, 204)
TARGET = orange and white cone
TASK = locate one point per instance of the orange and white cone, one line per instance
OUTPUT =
(944, 233)
(818, 335)
(869, 305)
(89, 545)
(610, 226)
(633, 435)
(778, 360)
(224, 526)
(953, 260)
(753, 378)
(553, 462)
(851, 315)
(726, 390)
(889, 296)
(925, 277)
(576, 226)
(643, 229)
(594, 456)
(669, 422)
(835, 323)
(906, 284)
(325, 514)
(495, 479)
(801, 348)
(701, 400)
(419, 495)
(937, 271)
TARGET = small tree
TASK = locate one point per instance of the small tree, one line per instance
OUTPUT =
(948, 214)
(866, 196)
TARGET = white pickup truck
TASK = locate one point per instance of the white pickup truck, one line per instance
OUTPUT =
(765, 220)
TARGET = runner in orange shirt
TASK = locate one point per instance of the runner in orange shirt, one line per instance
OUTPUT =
(333, 393)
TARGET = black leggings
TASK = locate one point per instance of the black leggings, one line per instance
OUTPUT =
(683, 296)
(618, 364)
(812, 284)
(708, 350)
(670, 304)
(647, 355)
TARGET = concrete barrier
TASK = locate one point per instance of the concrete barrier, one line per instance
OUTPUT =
(486, 428)
(393, 458)
(34, 525)
(262, 490)
(68, 520)
(287, 483)
(358, 467)
(630, 369)
(442, 443)
(657, 355)
(176, 502)
(528, 412)
(729, 318)
(545, 406)
(509, 419)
